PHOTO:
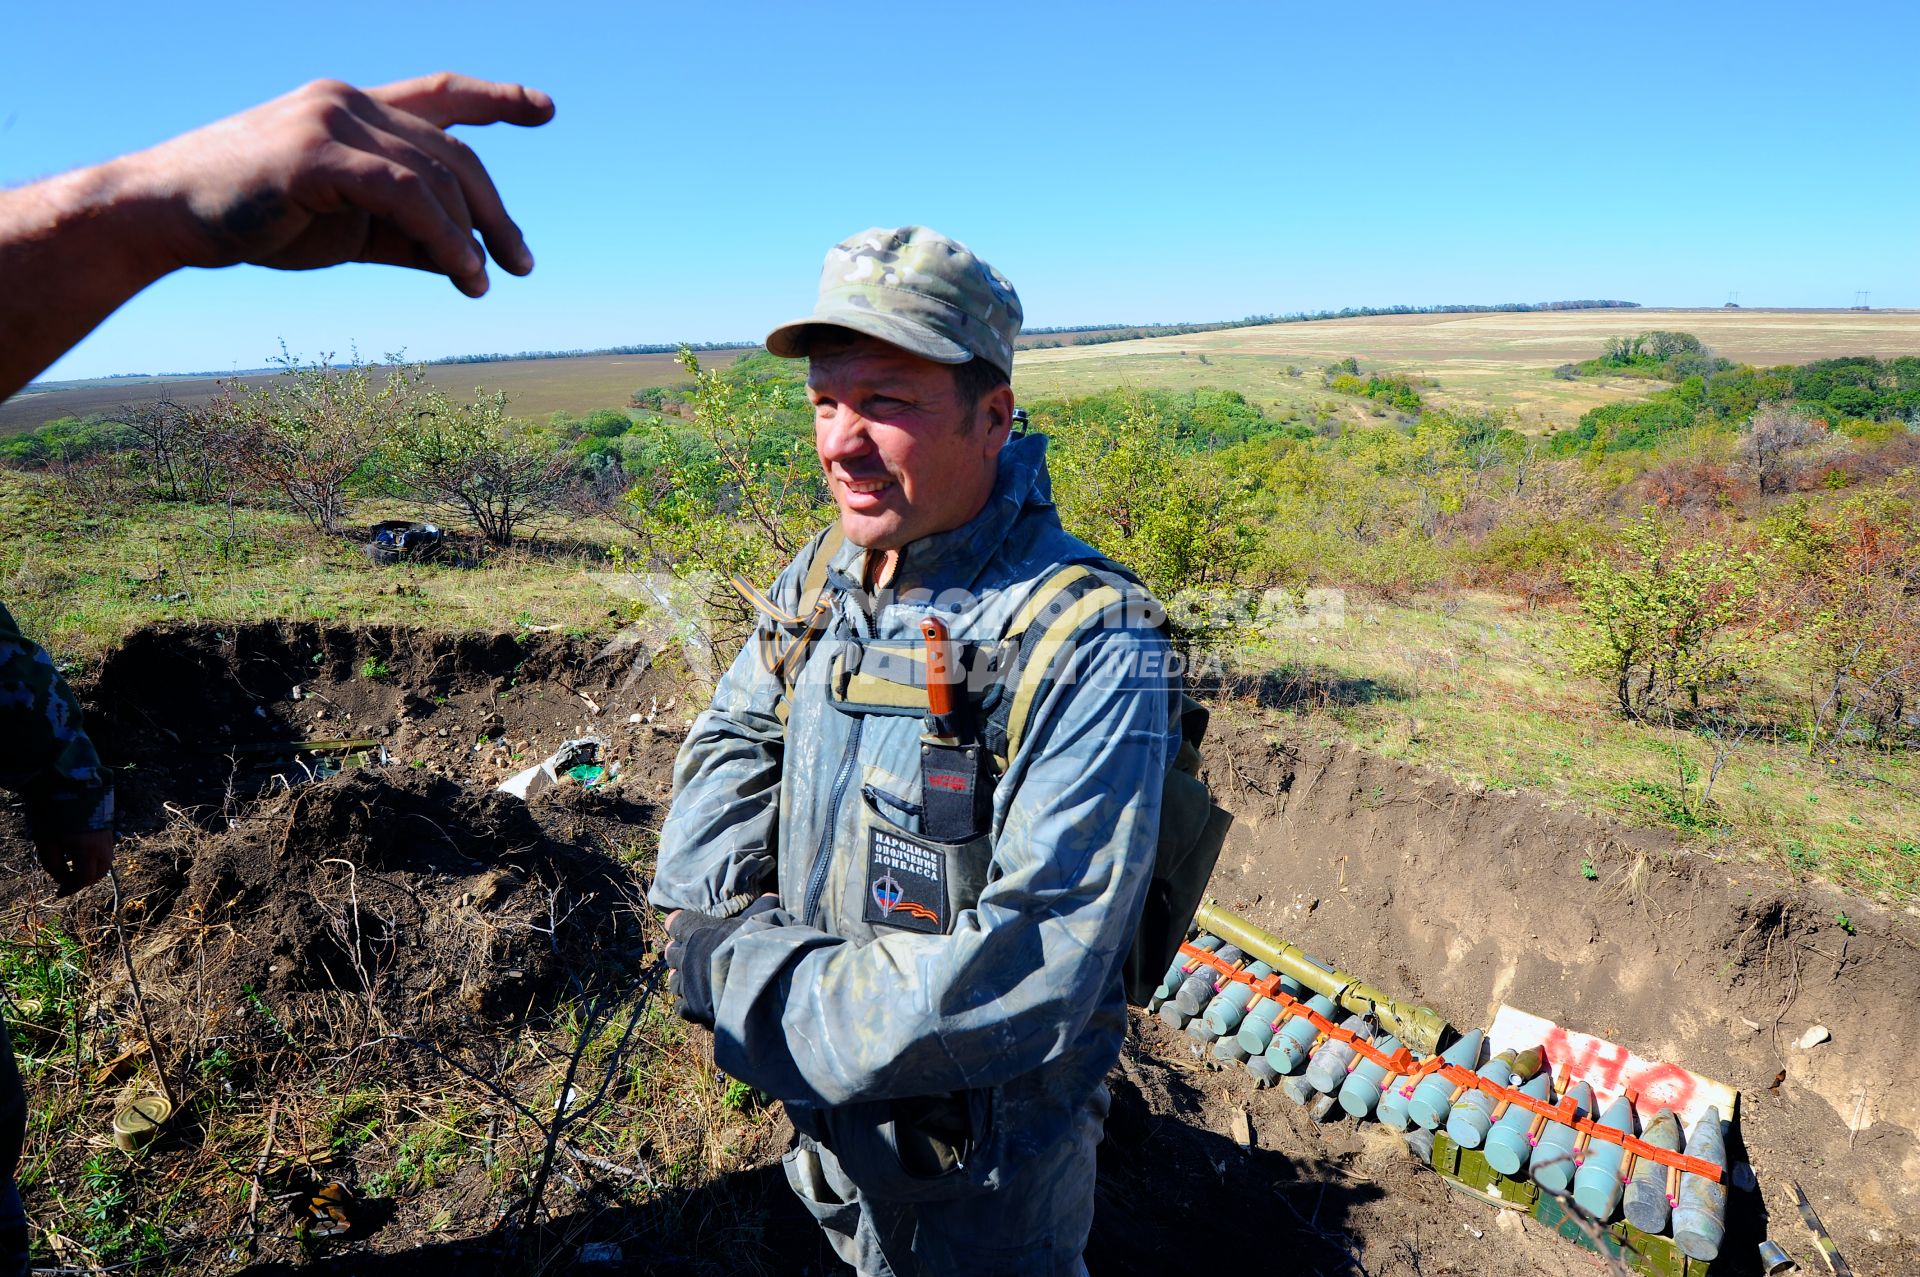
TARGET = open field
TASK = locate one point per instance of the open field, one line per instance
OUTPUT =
(1474, 687)
(535, 387)
(1498, 360)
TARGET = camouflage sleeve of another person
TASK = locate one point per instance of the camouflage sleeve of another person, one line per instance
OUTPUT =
(45, 755)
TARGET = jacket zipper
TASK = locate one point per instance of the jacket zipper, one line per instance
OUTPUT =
(823, 853)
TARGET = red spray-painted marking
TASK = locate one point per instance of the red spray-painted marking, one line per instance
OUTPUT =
(1612, 1070)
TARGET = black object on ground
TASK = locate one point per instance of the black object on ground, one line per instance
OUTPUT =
(398, 540)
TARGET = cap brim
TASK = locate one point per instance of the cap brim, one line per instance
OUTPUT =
(791, 340)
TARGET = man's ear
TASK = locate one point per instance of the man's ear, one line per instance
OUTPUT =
(996, 414)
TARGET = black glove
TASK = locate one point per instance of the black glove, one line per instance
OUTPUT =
(692, 938)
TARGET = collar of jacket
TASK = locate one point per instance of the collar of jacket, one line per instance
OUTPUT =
(953, 560)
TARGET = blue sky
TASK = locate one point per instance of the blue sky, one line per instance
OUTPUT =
(1117, 161)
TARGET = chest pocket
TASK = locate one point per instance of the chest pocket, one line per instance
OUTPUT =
(906, 881)
(890, 874)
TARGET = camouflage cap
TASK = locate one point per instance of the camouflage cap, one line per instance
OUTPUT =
(915, 289)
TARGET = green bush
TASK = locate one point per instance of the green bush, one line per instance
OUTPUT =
(1664, 622)
(736, 490)
(1122, 484)
(67, 439)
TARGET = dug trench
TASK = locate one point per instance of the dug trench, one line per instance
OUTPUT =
(404, 925)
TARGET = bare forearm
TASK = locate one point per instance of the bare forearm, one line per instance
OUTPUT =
(73, 248)
(323, 175)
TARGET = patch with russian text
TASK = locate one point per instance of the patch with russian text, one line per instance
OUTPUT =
(906, 883)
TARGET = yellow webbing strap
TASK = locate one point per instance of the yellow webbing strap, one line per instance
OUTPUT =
(816, 578)
(868, 689)
(784, 659)
(759, 602)
(1048, 590)
(1058, 634)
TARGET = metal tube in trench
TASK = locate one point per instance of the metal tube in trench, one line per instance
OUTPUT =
(1421, 1028)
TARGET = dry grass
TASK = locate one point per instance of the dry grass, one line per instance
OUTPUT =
(1474, 686)
(80, 581)
(449, 1140)
(1503, 361)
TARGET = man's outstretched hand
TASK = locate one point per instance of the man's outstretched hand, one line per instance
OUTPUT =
(327, 174)
(330, 174)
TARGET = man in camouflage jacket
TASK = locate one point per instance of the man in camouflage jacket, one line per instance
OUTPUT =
(936, 1015)
(46, 758)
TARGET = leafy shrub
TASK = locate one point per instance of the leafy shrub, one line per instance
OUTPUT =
(1692, 486)
(736, 490)
(1616, 426)
(1530, 554)
(1664, 621)
(1768, 442)
(1853, 598)
(309, 432)
(1122, 485)
(475, 460)
(67, 439)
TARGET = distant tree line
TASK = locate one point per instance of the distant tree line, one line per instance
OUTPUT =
(651, 348)
(1098, 334)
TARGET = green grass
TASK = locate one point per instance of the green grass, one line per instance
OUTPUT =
(80, 581)
(1476, 688)
(46, 986)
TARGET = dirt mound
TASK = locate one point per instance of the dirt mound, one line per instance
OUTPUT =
(367, 900)
(207, 716)
(403, 894)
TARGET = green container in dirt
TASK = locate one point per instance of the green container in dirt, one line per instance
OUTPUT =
(1554, 1156)
(1507, 1145)
(1434, 1096)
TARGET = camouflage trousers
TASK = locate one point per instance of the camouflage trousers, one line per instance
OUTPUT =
(1034, 1225)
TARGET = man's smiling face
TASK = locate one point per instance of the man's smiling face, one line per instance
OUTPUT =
(905, 456)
